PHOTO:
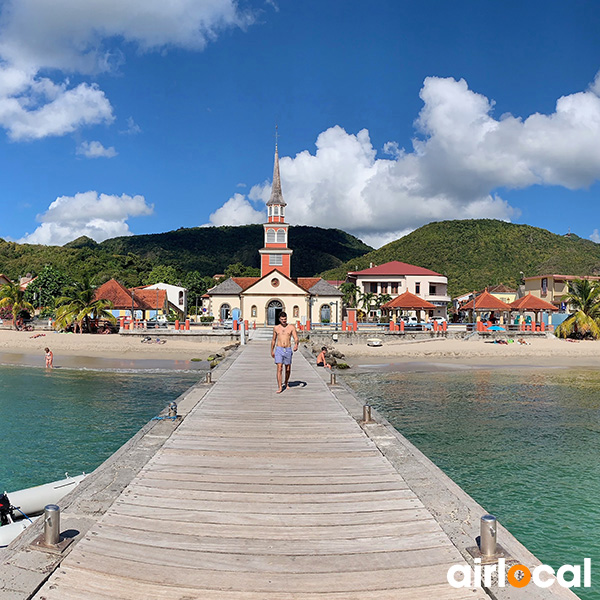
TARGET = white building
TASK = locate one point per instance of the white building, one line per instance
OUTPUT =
(176, 295)
(395, 278)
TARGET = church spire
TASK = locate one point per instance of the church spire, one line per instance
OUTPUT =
(276, 194)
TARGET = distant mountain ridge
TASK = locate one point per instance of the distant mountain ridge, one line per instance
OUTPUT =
(476, 253)
(208, 250)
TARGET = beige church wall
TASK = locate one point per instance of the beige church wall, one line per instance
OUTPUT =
(218, 301)
(265, 286)
(261, 302)
(320, 301)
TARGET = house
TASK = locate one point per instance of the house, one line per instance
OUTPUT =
(501, 292)
(262, 299)
(552, 288)
(145, 304)
(395, 277)
(176, 295)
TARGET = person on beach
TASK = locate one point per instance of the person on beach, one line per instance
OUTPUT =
(281, 349)
(49, 358)
(321, 360)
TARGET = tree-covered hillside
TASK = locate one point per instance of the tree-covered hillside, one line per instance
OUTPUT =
(480, 252)
(207, 250)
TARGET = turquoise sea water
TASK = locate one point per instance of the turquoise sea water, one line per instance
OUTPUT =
(71, 420)
(523, 443)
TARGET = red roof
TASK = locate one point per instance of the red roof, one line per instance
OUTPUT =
(408, 301)
(245, 282)
(396, 267)
(307, 282)
(120, 296)
(531, 302)
(151, 298)
(486, 301)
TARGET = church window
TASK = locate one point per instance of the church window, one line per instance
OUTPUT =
(296, 312)
(271, 236)
(253, 311)
(269, 211)
(276, 210)
(274, 282)
(281, 236)
(275, 260)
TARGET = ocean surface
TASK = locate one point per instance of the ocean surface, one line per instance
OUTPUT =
(524, 443)
(71, 420)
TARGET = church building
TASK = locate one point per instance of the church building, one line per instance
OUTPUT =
(261, 299)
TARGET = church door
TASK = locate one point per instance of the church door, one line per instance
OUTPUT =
(273, 311)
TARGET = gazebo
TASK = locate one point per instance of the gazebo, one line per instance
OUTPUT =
(533, 304)
(407, 301)
(485, 302)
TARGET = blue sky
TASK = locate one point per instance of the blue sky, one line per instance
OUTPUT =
(147, 116)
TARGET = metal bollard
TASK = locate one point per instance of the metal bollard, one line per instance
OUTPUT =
(487, 542)
(51, 525)
(367, 414)
(333, 380)
(173, 409)
(208, 377)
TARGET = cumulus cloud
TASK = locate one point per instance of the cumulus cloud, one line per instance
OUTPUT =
(236, 211)
(595, 237)
(95, 149)
(462, 155)
(60, 36)
(132, 127)
(98, 216)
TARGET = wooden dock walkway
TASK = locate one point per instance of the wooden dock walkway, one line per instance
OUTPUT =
(260, 496)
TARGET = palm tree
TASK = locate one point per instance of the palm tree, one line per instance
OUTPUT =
(351, 292)
(584, 297)
(12, 295)
(79, 305)
(366, 300)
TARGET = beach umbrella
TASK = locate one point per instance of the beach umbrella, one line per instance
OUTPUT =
(496, 328)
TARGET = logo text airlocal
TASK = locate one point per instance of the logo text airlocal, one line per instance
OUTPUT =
(543, 576)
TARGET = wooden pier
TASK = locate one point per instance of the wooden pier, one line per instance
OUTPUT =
(264, 496)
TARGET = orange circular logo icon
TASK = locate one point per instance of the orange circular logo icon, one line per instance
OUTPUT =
(511, 576)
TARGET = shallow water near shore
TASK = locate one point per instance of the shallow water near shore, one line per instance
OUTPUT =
(523, 443)
(71, 420)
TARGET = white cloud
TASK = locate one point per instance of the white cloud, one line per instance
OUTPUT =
(98, 216)
(236, 211)
(595, 237)
(95, 149)
(132, 127)
(61, 36)
(461, 156)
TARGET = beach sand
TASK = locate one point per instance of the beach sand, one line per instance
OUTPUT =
(114, 347)
(543, 352)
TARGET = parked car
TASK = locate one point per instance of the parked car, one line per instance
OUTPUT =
(160, 323)
(440, 320)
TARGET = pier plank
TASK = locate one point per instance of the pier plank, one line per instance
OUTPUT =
(259, 496)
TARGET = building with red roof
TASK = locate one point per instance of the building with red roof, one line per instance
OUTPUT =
(553, 288)
(261, 299)
(145, 303)
(395, 278)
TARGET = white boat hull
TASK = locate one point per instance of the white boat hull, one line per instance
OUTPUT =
(31, 502)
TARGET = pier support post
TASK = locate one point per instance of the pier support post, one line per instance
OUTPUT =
(488, 530)
(51, 525)
(333, 379)
(367, 418)
(208, 378)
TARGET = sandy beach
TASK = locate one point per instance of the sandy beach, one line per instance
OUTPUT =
(547, 352)
(106, 346)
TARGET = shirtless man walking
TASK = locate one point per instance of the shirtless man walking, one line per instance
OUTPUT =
(281, 349)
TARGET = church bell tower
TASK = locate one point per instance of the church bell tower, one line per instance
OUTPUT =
(275, 254)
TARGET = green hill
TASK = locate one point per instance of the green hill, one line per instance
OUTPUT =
(208, 250)
(481, 252)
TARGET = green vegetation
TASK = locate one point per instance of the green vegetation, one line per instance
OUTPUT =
(584, 298)
(484, 252)
(182, 257)
(12, 297)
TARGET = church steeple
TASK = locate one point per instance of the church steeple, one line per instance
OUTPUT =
(275, 254)
(276, 204)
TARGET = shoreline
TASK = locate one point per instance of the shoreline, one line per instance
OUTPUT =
(471, 354)
(107, 352)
